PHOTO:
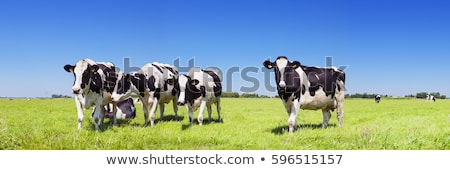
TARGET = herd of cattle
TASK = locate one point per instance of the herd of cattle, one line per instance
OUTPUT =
(102, 86)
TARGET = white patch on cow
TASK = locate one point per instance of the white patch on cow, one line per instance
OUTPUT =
(182, 80)
(319, 101)
(282, 64)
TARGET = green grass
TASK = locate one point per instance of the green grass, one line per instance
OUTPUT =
(249, 124)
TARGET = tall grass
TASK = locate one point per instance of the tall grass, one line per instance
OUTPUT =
(249, 124)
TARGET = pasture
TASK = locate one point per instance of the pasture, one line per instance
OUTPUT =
(249, 124)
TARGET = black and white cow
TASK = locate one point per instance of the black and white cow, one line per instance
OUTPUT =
(154, 83)
(311, 88)
(378, 98)
(430, 97)
(93, 85)
(125, 109)
(200, 89)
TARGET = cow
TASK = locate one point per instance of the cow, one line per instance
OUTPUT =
(200, 89)
(377, 98)
(430, 97)
(155, 85)
(308, 87)
(93, 85)
(125, 109)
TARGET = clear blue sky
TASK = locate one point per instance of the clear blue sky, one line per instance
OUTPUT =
(390, 47)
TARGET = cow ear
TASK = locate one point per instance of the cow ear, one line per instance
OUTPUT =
(295, 64)
(69, 68)
(94, 68)
(194, 82)
(268, 64)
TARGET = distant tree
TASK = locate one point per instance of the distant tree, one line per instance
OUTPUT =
(421, 95)
(59, 96)
(249, 95)
(263, 96)
(230, 94)
(443, 97)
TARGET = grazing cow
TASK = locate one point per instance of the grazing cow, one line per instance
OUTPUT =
(93, 85)
(377, 98)
(155, 84)
(430, 97)
(311, 88)
(200, 89)
(125, 109)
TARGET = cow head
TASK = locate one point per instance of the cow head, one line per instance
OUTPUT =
(285, 74)
(86, 75)
(189, 89)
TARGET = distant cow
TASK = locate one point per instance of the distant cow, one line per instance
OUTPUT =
(93, 85)
(311, 88)
(377, 98)
(430, 97)
(200, 89)
(154, 83)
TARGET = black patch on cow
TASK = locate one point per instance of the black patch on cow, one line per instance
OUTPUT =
(124, 84)
(303, 89)
(96, 82)
(126, 107)
(157, 67)
(191, 91)
(139, 81)
(151, 83)
(110, 77)
(157, 93)
(171, 70)
(176, 88)
(323, 77)
(218, 85)
(86, 77)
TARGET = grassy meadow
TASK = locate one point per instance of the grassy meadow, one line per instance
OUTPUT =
(249, 124)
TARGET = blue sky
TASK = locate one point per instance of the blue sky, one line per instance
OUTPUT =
(389, 47)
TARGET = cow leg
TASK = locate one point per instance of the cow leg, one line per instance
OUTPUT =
(152, 112)
(209, 112)
(326, 117)
(161, 111)
(145, 106)
(114, 105)
(340, 113)
(175, 108)
(219, 119)
(102, 115)
(80, 113)
(98, 111)
(200, 114)
(293, 116)
(191, 113)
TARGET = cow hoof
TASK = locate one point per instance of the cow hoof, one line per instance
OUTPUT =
(220, 120)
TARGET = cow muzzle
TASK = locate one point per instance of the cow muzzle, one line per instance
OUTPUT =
(181, 103)
(76, 90)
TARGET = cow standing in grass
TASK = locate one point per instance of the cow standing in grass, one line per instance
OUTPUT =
(155, 83)
(200, 89)
(377, 98)
(93, 85)
(311, 88)
(430, 97)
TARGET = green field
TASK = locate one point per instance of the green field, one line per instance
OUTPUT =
(249, 124)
